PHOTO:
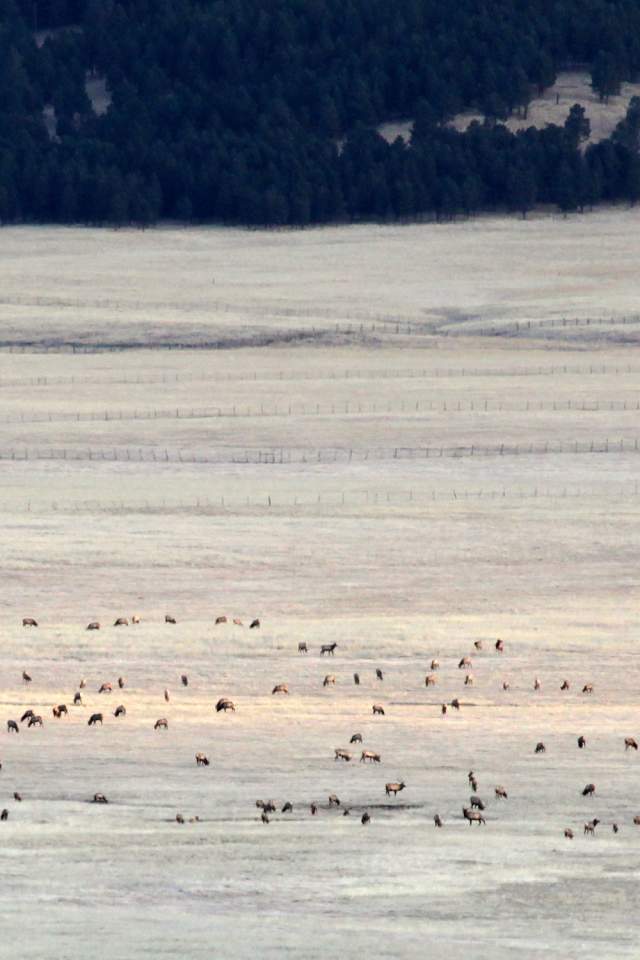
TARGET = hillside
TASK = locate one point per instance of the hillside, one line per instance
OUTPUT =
(240, 112)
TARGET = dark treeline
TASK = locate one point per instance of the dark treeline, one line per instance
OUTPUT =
(265, 113)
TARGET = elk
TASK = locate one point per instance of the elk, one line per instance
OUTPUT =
(166, 696)
(356, 679)
(269, 806)
(472, 781)
(500, 793)
(477, 644)
(281, 688)
(588, 688)
(93, 719)
(540, 747)
(161, 724)
(264, 817)
(500, 646)
(220, 620)
(225, 704)
(26, 715)
(341, 754)
(473, 816)
(99, 798)
(12, 727)
(302, 647)
(443, 709)
(476, 802)
(356, 738)
(121, 682)
(94, 625)
(630, 743)
(77, 699)
(255, 624)
(505, 685)
(35, 721)
(581, 743)
(60, 710)
(435, 665)
(334, 801)
(468, 680)
(29, 622)
(17, 797)
(438, 820)
(589, 790)
(465, 662)
(287, 807)
(379, 674)
(328, 648)
(455, 703)
(4, 815)
(169, 619)
(313, 809)
(329, 679)
(636, 820)
(179, 818)
(430, 680)
(394, 788)
(26, 677)
(370, 756)
(614, 827)
(185, 680)
(536, 684)
(568, 834)
(590, 826)
(106, 687)
(121, 622)
(82, 683)
(120, 711)
(565, 685)
(378, 710)
(135, 618)
(365, 818)
(202, 760)
(238, 622)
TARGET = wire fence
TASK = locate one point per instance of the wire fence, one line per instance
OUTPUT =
(309, 375)
(319, 455)
(345, 409)
(353, 500)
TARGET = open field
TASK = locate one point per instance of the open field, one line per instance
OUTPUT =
(285, 477)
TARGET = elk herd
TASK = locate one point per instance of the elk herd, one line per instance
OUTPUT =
(473, 811)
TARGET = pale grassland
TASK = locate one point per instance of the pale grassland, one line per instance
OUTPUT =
(398, 560)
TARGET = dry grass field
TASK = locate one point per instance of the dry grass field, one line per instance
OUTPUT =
(403, 440)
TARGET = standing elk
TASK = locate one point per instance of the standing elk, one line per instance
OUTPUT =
(356, 679)
(60, 710)
(468, 680)
(29, 622)
(121, 622)
(185, 680)
(220, 620)
(341, 754)
(581, 743)
(302, 647)
(121, 682)
(94, 625)
(378, 710)
(365, 819)
(430, 680)
(435, 665)
(464, 662)
(455, 703)
(225, 704)
(356, 738)
(328, 648)
(565, 685)
(370, 756)
(77, 699)
(568, 833)
(500, 646)
(135, 618)
(333, 800)
(394, 788)
(473, 816)
(536, 684)
(540, 747)
(379, 674)
(202, 760)
(590, 826)
(630, 743)
(438, 820)
(35, 721)
(329, 679)
(106, 687)
(500, 793)
(120, 711)
(26, 677)
(99, 798)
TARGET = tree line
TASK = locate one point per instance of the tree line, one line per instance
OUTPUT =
(238, 111)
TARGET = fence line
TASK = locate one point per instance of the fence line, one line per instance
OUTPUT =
(436, 373)
(313, 455)
(348, 408)
(360, 499)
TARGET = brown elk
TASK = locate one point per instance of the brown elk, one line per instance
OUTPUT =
(565, 685)
(166, 696)
(120, 711)
(121, 682)
(77, 699)
(35, 721)
(568, 834)
(465, 662)
(202, 760)
(255, 624)
(589, 790)
(590, 826)
(60, 710)
(135, 618)
(220, 620)
(394, 788)
(438, 820)
(506, 685)
(302, 647)
(99, 798)
(328, 648)
(121, 622)
(443, 709)
(93, 719)
(94, 625)
(370, 756)
(378, 710)
(588, 688)
(477, 644)
(356, 679)
(500, 793)
(225, 704)
(29, 622)
(630, 743)
(26, 677)
(238, 622)
(281, 688)
(356, 738)
(341, 754)
(468, 680)
(636, 820)
(106, 687)
(536, 684)
(430, 680)
(435, 665)
(161, 724)
(169, 619)
(329, 679)
(473, 816)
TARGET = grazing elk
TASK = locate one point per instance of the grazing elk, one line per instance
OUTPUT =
(26, 715)
(255, 624)
(26, 677)
(77, 699)
(302, 647)
(589, 790)
(476, 802)
(225, 704)
(12, 727)
(169, 619)
(501, 793)
(99, 798)
(202, 760)
(120, 711)
(17, 797)
(588, 688)
(378, 710)
(379, 674)
(35, 721)
(287, 807)
(328, 648)
(93, 719)
(106, 687)
(394, 788)
(356, 738)
(568, 833)
(540, 747)
(94, 625)
(430, 680)
(630, 743)
(473, 816)
(220, 620)
(341, 754)
(281, 688)
(565, 685)
(365, 818)
(161, 724)
(581, 743)
(477, 644)
(29, 622)
(370, 756)
(329, 679)
(60, 710)
(121, 622)
(465, 662)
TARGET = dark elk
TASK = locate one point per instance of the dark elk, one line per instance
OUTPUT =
(60, 710)
(589, 790)
(106, 688)
(202, 760)
(500, 646)
(287, 807)
(99, 798)
(328, 648)
(12, 727)
(356, 738)
(77, 699)
(161, 724)
(379, 674)
(437, 820)
(120, 711)
(302, 647)
(185, 680)
(35, 721)
(477, 644)
(378, 709)
(588, 688)
(476, 802)
(169, 619)
(121, 682)
(564, 685)
(94, 625)
(356, 679)
(281, 688)
(581, 743)
(121, 622)
(568, 834)
(255, 624)
(365, 818)
(29, 622)
(329, 679)
(93, 719)
(590, 826)
(630, 743)
(4, 815)
(26, 677)
(225, 704)
(473, 816)
(540, 747)
(220, 620)
(26, 715)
